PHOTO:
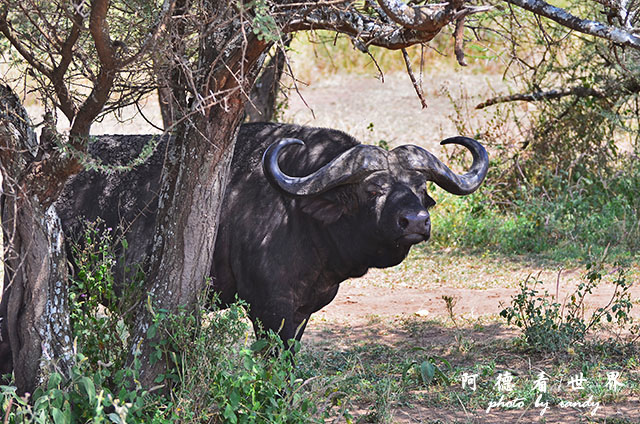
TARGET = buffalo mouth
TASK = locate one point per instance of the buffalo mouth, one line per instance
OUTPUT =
(411, 239)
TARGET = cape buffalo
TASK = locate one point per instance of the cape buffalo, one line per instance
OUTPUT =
(305, 209)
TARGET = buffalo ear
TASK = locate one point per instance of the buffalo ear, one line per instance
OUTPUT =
(322, 209)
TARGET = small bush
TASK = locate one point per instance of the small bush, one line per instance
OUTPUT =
(99, 318)
(226, 376)
(548, 325)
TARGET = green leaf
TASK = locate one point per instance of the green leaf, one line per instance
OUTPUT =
(54, 381)
(443, 360)
(258, 345)
(441, 376)
(58, 416)
(151, 332)
(230, 415)
(406, 369)
(427, 371)
(89, 388)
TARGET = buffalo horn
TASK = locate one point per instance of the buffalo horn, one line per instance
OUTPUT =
(350, 166)
(414, 157)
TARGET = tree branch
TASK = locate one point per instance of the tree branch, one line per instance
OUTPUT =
(366, 29)
(99, 29)
(152, 38)
(416, 86)
(397, 25)
(421, 18)
(544, 95)
(586, 26)
(67, 105)
(6, 30)
(459, 41)
(93, 104)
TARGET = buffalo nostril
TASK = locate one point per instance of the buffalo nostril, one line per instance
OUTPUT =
(414, 222)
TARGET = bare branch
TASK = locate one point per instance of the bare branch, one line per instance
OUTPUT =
(416, 86)
(621, 10)
(93, 104)
(67, 104)
(99, 28)
(421, 18)
(365, 28)
(544, 95)
(459, 41)
(153, 36)
(585, 26)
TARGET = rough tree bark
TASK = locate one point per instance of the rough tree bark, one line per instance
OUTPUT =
(34, 304)
(35, 319)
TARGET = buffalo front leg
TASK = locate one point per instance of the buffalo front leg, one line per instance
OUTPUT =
(283, 321)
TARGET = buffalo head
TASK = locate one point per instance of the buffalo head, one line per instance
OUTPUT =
(381, 193)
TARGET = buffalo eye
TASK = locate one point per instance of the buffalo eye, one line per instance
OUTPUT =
(374, 190)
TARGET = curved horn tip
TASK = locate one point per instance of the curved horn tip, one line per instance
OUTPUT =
(459, 140)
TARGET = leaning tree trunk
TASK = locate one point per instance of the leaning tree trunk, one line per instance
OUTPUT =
(36, 334)
(194, 182)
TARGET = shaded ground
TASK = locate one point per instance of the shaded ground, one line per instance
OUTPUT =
(402, 310)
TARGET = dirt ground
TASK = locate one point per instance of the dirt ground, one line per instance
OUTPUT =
(372, 110)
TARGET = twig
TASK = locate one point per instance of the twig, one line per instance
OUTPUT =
(407, 62)
(6, 416)
(458, 35)
(544, 95)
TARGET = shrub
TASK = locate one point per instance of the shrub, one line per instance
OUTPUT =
(548, 325)
(225, 376)
(216, 371)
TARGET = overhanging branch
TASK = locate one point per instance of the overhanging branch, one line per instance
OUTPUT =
(586, 26)
(362, 27)
(421, 18)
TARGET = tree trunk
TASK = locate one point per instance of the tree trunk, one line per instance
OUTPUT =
(35, 318)
(192, 190)
(37, 314)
